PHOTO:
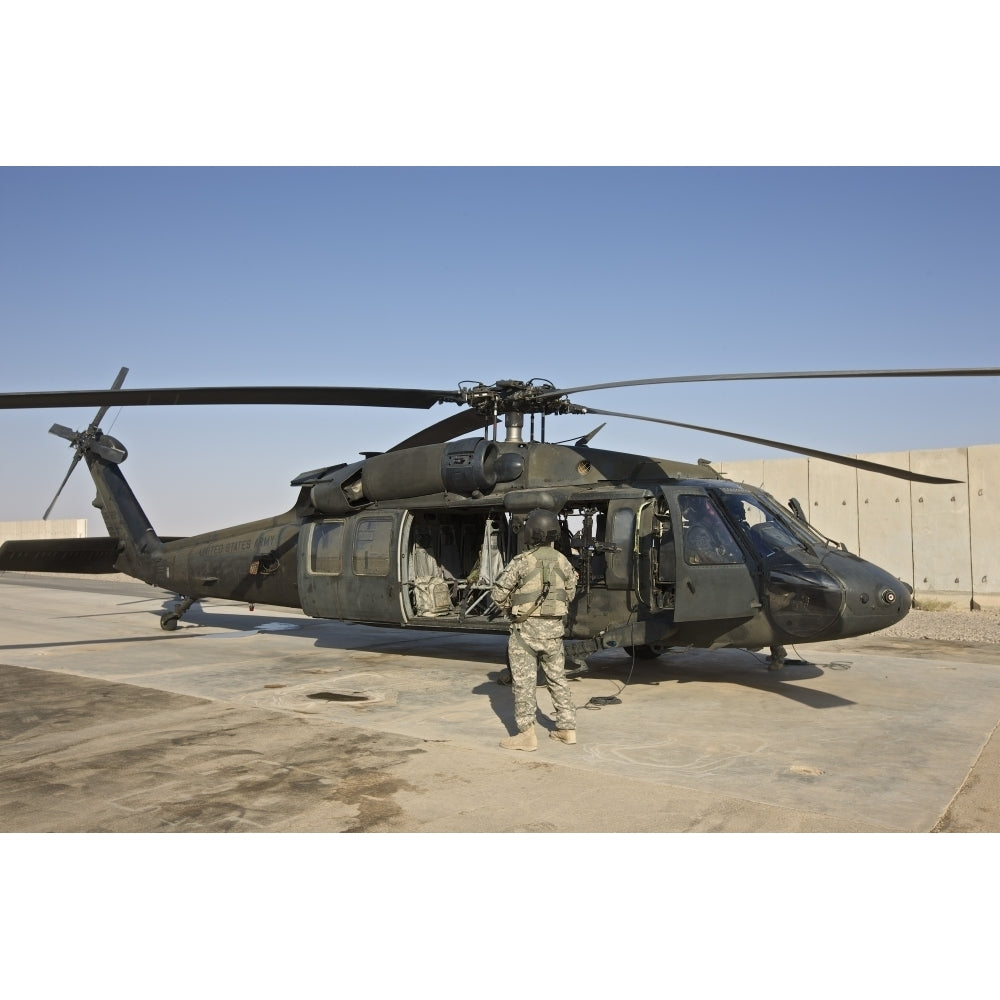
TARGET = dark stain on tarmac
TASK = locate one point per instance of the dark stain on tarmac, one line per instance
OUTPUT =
(337, 696)
(371, 792)
(187, 764)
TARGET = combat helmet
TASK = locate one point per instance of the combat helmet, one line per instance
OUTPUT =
(541, 527)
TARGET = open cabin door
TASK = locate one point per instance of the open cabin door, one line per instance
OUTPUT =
(449, 561)
(713, 578)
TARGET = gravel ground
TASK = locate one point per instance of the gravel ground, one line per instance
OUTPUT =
(949, 626)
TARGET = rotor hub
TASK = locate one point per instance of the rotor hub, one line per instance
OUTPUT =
(509, 396)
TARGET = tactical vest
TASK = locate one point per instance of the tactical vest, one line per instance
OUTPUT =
(542, 593)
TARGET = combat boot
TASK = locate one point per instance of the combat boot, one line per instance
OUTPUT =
(522, 741)
(563, 735)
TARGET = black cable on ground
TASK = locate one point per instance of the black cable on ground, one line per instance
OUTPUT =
(602, 701)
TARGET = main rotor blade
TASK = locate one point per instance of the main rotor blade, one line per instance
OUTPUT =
(72, 466)
(444, 430)
(283, 395)
(757, 376)
(854, 463)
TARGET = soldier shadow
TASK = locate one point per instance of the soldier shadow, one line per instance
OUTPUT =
(498, 689)
(501, 699)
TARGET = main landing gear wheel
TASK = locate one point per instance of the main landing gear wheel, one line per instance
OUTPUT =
(169, 622)
(777, 658)
(647, 651)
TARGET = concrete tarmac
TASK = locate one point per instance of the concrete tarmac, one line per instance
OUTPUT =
(271, 721)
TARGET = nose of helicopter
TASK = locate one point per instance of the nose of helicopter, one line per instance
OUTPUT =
(874, 599)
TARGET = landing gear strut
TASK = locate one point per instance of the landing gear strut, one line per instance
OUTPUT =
(646, 651)
(169, 619)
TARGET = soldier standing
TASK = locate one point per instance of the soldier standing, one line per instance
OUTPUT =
(535, 590)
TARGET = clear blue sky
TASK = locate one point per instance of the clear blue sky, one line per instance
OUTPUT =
(428, 277)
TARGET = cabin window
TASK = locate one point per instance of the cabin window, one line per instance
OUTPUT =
(623, 528)
(372, 546)
(327, 548)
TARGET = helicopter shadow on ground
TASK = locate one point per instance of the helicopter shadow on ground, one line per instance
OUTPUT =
(83, 643)
(439, 645)
(729, 666)
(712, 667)
(487, 650)
(197, 617)
(685, 666)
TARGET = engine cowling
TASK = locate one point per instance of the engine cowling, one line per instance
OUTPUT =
(470, 467)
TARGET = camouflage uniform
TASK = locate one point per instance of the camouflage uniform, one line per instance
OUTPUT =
(536, 630)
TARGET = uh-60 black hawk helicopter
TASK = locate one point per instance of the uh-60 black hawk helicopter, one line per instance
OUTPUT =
(668, 553)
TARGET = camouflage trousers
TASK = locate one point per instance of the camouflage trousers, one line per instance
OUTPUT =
(534, 641)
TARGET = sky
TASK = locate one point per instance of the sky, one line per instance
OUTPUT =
(428, 277)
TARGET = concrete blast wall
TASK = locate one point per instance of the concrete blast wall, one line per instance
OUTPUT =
(943, 540)
(67, 528)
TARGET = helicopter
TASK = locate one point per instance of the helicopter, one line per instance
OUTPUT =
(668, 553)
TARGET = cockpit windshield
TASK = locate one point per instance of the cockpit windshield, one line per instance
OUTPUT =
(768, 528)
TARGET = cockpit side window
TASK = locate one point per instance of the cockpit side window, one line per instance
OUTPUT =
(706, 538)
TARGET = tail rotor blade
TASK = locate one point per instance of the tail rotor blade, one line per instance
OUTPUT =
(72, 466)
(61, 430)
(109, 449)
(116, 385)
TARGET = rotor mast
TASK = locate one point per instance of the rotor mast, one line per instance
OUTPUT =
(514, 424)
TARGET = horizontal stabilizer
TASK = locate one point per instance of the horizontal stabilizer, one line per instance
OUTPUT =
(59, 555)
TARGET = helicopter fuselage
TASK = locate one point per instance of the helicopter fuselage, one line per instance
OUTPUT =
(668, 554)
